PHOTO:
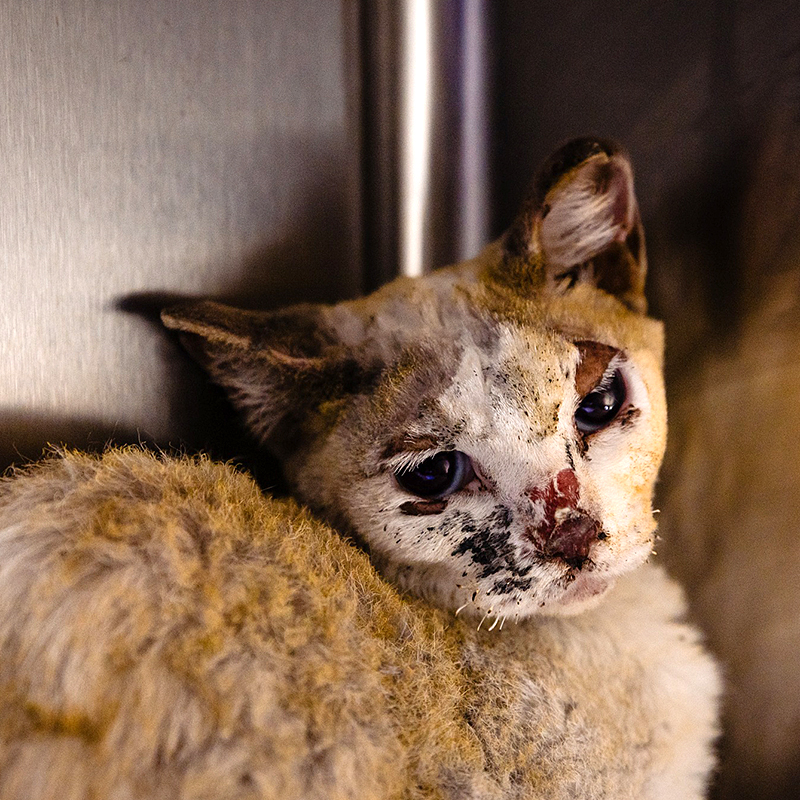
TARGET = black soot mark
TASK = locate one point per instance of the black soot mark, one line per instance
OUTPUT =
(456, 523)
(490, 545)
(510, 585)
(629, 417)
(570, 458)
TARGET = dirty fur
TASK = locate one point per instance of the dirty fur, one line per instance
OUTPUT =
(169, 632)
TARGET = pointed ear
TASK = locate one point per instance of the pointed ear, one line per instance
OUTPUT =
(277, 367)
(580, 222)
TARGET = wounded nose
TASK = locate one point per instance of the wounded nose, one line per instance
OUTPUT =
(559, 497)
(563, 530)
(572, 539)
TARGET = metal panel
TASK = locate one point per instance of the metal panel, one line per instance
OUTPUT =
(200, 148)
(425, 78)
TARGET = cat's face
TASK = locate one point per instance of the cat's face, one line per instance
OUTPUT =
(491, 432)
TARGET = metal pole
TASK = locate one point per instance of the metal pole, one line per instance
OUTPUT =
(425, 69)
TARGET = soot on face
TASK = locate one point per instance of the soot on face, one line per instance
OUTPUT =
(490, 546)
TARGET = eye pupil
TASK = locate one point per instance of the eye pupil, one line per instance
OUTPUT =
(601, 406)
(436, 469)
(437, 476)
(598, 404)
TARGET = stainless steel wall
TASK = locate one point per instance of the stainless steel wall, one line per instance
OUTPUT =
(206, 147)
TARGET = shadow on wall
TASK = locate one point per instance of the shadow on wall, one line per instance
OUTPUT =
(313, 257)
(27, 435)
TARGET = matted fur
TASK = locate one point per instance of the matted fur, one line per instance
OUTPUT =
(168, 632)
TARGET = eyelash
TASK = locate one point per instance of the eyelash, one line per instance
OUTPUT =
(405, 462)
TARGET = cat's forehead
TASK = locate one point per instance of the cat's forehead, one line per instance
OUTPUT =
(457, 308)
(442, 390)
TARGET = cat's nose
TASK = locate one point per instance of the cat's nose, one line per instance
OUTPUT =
(561, 529)
(572, 539)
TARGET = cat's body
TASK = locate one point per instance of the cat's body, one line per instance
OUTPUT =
(168, 632)
(490, 435)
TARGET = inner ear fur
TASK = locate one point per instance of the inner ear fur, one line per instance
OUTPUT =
(580, 222)
(276, 366)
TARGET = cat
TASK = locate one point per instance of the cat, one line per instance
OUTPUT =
(473, 618)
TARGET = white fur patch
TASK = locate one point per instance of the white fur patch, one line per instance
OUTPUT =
(583, 218)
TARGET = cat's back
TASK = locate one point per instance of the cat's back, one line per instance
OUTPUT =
(167, 631)
(157, 637)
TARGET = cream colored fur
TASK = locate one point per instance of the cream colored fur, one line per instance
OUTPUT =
(168, 632)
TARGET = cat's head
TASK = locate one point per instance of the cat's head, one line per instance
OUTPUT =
(490, 432)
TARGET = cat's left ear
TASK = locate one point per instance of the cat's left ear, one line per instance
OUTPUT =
(580, 222)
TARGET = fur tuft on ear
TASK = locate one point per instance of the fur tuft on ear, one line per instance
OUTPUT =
(277, 366)
(580, 223)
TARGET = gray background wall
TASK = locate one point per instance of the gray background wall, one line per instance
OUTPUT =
(213, 147)
(206, 147)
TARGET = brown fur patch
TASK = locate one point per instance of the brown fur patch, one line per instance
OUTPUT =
(595, 358)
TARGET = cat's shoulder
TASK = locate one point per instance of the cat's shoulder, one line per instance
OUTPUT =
(165, 523)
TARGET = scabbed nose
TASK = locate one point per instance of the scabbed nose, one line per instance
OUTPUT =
(565, 531)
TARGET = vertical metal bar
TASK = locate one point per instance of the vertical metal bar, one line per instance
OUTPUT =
(474, 199)
(425, 134)
(414, 128)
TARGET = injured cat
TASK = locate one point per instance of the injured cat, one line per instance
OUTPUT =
(473, 619)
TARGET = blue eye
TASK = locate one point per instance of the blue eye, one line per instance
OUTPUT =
(438, 476)
(600, 407)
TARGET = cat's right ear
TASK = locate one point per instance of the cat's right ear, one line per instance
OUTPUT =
(580, 222)
(275, 365)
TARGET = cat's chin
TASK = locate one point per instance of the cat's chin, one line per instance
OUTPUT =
(585, 592)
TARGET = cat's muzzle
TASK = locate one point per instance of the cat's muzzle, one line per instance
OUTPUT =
(563, 530)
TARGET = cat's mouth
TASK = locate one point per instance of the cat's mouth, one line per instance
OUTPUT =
(582, 586)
